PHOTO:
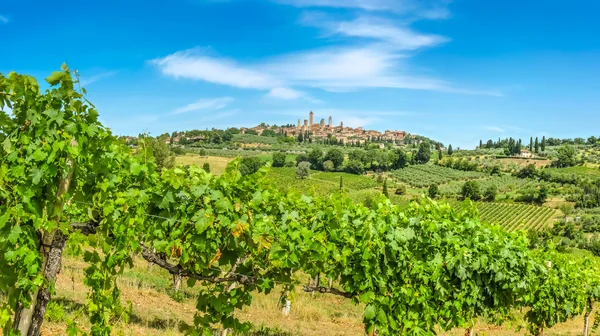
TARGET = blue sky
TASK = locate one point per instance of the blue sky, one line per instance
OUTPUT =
(456, 71)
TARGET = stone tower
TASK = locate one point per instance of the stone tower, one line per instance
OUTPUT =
(305, 125)
(322, 124)
(330, 122)
(311, 120)
(298, 124)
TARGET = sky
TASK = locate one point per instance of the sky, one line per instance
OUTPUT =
(455, 71)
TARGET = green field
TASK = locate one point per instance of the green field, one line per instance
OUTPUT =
(577, 170)
(516, 216)
(420, 176)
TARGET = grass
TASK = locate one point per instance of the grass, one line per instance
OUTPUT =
(577, 170)
(155, 313)
(217, 163)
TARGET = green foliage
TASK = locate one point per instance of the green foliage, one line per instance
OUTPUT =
(55, 312)
(206, 167)
(565, 157)
(401, 189)
(301, 158)
(336, 156)
(328, 166)
(385, 189)
(490, 193)
(355, 167)
(422, 269)
(450, 150)
(433, 191)
(303, 170)
(421, 176)
(278, 159)
(471, 190)
(516, 216)
(528, 171)
(250, 165)
(424, 153)
(315, 157)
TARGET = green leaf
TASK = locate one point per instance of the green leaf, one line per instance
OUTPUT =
(55, 77)
(370, 312)
(36, 175)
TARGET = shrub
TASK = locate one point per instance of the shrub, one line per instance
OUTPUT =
(206, 167)
(401, 190)
(471, 190)
(355, 167)
(279, 159)
(303, 169)
(315, 157)
(202, 152)
(328, 166)
(490, 193)
(433, 191)
(289, 164)
(301, 158)
(55, 312)
(250, 165)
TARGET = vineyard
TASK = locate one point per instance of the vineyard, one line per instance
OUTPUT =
(67, 185)
(420, 176)
(516, 216)
(504, 183)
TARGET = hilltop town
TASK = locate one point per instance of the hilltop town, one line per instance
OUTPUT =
(321, 130)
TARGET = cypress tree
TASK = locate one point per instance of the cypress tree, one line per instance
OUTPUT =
(537, 146)
(543, 147)
(341, 183)
(450, 151)
(531, 144)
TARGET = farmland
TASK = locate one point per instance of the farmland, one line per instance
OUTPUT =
(516, 216)
(424, 175)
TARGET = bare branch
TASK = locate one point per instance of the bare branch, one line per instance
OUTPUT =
(325, 290)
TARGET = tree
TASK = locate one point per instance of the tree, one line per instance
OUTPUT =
(341, 182)
(490, 193)
(450, 151)
(303, 169)
(471, 190)
(424, 153)
(543, 145)
(315, 157)
(565, 157)
(279, 159)
(537, 146)
(400, 159)
(480, 144)
(161, 152)
(355, 167)
(301, 158)
(440, 155)
(336, 156)
(531, 144)
(385, 189)
(528, 171)
(250, 165)
(300, 137)
(328, 166)
(433, 191)
(206, 167)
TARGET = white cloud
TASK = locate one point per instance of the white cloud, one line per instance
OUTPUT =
(285, 93)
(205, 104)
(399, 37)
(84, 81)
(4, 19)
(337, 69)
(191, 64)
(427, 9)
(494, 129)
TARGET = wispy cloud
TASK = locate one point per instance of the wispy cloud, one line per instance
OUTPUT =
(205, 105)
(4, 19)
(494, 129)
(428, 9)
(85, 81)
(192, 64)
(400, 37)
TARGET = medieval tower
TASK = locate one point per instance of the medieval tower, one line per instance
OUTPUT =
(311, 120)
(330, 122)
